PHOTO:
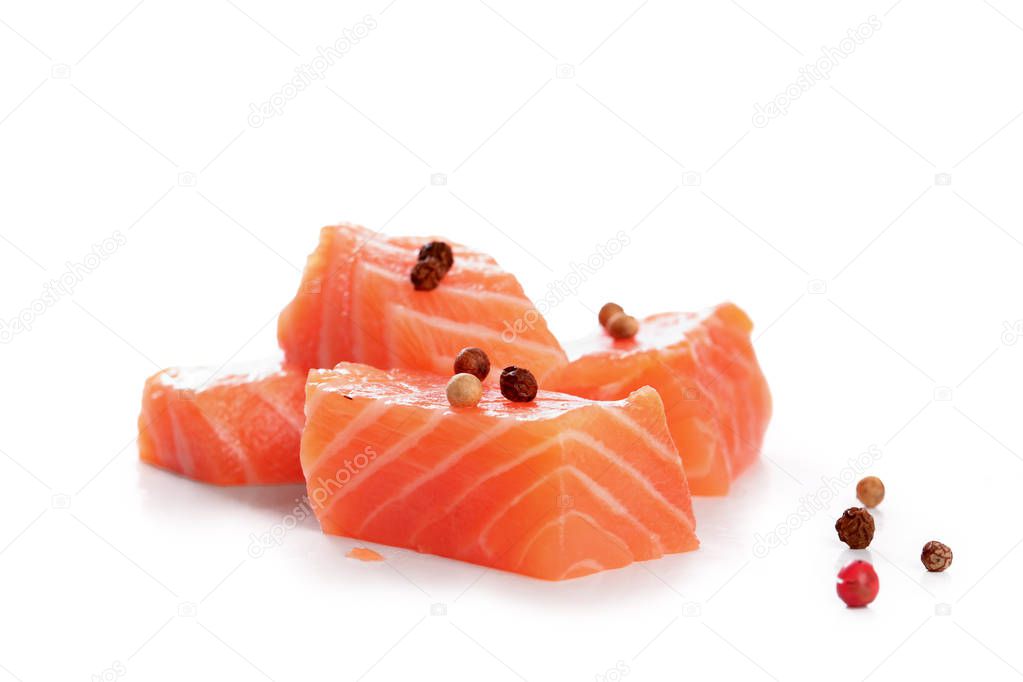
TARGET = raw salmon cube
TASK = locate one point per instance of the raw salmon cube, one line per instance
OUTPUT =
(356, 303)
(703, 365)
(556, 488)
(241, 427)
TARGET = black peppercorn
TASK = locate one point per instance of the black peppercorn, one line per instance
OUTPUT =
(439, 250)
(518, 384)
(426, 274)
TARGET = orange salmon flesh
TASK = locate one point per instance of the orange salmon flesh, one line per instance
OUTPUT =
(242, 428)
(703, 365)
(594, 474)
(356, 303)
(557, 488)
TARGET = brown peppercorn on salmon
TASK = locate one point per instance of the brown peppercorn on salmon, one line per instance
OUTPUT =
(556, 488)
(703, 365)
(357, 303)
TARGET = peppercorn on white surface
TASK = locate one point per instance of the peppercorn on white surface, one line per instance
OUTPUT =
(848, 174)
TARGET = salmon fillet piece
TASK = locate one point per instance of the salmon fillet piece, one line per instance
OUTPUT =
(716, 398)
(240, 428)
(356, 303)
(557, 488)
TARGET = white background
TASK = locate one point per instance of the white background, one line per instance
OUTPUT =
(874, 290)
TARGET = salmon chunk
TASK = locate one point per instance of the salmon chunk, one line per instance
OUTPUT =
(239, 428)
(555, 488)
(703, 364)
(357, 303)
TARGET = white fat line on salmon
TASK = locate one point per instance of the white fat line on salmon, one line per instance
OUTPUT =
(295, 419)
(819, 500)
(612, 503)
(229, 438)
(410, 440)
(61, 287)
(183, 453)
(368, 414)
(615, 540)
(564, 288)
(645, 484)
(486, 437)
(669, 455)
(522, 458)
(527, 455)
(308, 73)
(469, 330)
(588, 566)
(322, 497)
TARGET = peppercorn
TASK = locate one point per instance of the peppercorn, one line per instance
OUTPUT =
(607, 311)
(936, 556)
(858, 584)
(464, 390)
(622, 326)
(439, 250)
(472, 361)
(855, 527)
(870, 491)
(518, 385)
(426, 274)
